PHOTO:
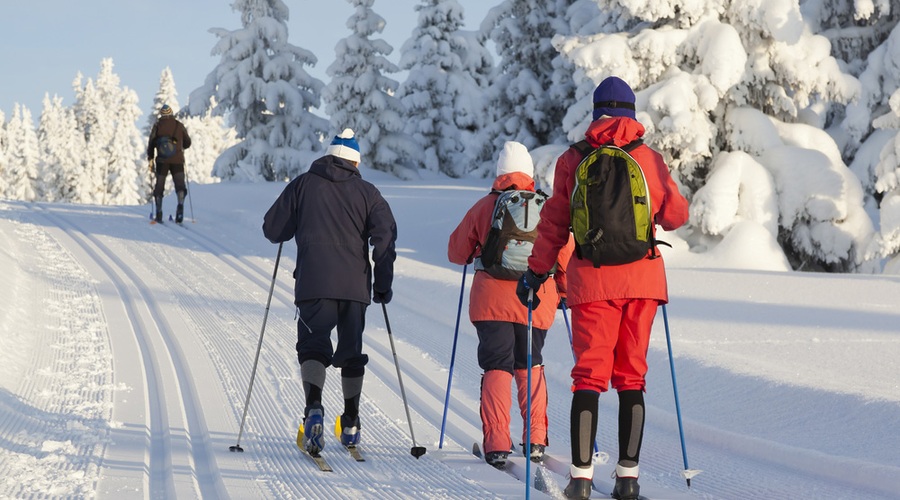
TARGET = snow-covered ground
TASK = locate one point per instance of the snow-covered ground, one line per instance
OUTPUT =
(126, 352)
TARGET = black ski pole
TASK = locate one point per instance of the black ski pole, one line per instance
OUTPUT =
(416, 451)
(152, 170)
(237, 446)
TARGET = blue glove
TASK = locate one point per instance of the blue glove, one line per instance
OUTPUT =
(382, 297)
(530, 281)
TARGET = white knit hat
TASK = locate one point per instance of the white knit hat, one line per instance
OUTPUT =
(515, 158)
(344, 146)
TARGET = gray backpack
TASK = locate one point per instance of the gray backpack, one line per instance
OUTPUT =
(513, 230)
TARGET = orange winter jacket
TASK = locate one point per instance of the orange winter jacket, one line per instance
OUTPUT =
(644, 279)
(493, 299)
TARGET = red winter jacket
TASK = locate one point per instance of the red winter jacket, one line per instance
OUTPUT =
(644, 279)
(494, 299)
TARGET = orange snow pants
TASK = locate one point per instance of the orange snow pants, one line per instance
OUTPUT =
(495, 407)
(610, 339)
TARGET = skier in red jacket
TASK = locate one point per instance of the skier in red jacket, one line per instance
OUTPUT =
(613, 306)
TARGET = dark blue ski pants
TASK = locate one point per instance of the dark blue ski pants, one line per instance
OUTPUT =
(317, 318)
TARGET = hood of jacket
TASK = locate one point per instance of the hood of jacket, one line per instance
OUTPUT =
(617, 130)
(334, 168)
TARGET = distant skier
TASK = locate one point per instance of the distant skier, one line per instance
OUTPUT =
(499, 319)
(167, 142)
(334, 216)
(613, 306)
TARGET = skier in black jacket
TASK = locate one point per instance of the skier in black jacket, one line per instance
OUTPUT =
(334, 215)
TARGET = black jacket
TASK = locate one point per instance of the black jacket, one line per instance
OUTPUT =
(334, 215)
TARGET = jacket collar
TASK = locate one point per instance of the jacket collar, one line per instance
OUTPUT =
(513, 180)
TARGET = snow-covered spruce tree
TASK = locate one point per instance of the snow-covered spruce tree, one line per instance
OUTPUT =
(211, 137)
(858, 32)
(519, 95)
(115, 161)
(92, 122)
(437, 93)
(61, 152)
(165, 94)
(744, 76)
(22, 156)
(4, 163)
(261, 84)
(360, 96)
(887, 162)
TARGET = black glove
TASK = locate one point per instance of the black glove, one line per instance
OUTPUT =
(382, 297)
(563, 305)
(530, 281)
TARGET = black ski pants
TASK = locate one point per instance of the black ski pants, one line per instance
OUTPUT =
(162, 171)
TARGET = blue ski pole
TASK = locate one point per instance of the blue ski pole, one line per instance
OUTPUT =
(688, 473)
(462, 289)
(528, 399)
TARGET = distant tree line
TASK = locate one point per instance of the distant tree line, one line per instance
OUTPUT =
(724, 89)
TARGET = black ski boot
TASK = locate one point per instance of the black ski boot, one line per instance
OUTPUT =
(159, 216)
(496, 458)
(627, 488)
(179, 214)
(578, 488)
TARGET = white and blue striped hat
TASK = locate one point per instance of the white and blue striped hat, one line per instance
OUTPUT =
(344, 146)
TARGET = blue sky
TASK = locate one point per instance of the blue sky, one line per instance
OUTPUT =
(45, 43)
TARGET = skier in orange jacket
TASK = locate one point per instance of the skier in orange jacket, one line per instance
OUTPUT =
(501, 321)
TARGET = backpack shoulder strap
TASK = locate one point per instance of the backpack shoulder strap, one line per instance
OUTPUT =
(631, 145)
(583, 147)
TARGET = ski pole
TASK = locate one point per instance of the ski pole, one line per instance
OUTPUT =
(596, 456)
(150, 167)
(688, 473)
(528, 402)
(190, 196)
(416, 451)
(462, 289)
(237, 446)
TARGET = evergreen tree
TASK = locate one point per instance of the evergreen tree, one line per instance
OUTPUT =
(260, 81)
(166, 94)
(438, 88)
(360, 96)
(4, 162)
(90, 118)
(707, 79)
(211, 137)
(115, 151)
(519, 93)
(886, 162)
(474, 114)
(22, 156)
(61, 148)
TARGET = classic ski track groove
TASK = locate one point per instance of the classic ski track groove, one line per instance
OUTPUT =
(273, 460)
(148, 332)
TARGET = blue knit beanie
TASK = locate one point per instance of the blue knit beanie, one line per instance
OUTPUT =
(613, 97)
(344, 146)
